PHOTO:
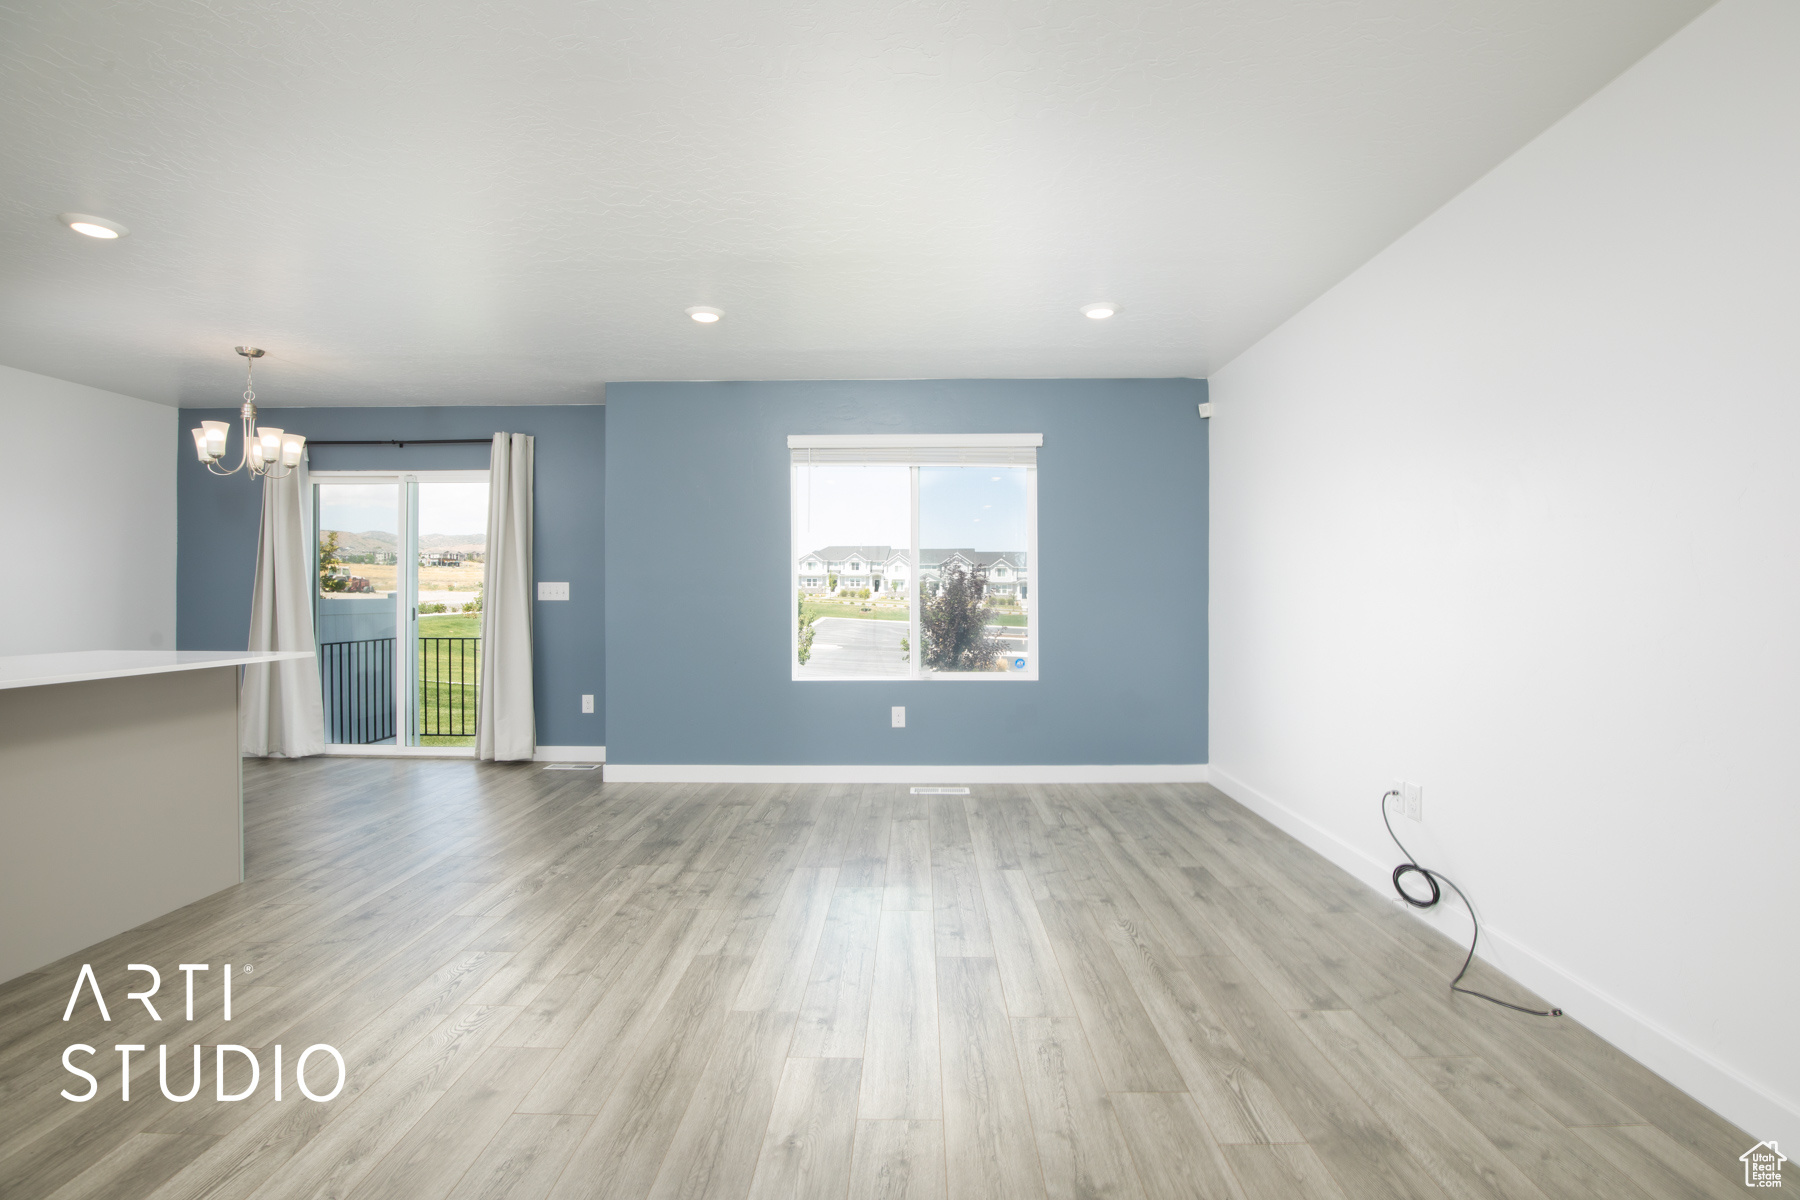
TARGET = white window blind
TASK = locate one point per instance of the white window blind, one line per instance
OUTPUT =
(920, 449)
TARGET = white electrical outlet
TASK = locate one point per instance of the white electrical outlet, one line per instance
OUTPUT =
(899, 716)
(1415, 801)
(587, 703)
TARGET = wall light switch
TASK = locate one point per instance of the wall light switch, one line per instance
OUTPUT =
(899, 716)
(553, 591)
(587, 703)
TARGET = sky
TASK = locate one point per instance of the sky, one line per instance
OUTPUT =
(852, 506)
(359, 507)
(453, 508)
(443, 507)
(981, 508)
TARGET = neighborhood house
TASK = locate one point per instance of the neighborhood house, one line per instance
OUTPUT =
(883, 569)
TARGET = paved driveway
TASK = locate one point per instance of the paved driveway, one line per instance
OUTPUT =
(846, 646)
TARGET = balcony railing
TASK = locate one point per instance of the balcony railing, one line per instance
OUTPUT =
(357, 683)
(449, 686)
(356, 680)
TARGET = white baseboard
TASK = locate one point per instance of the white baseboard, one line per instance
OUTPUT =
(399, 752)
(583, 754)
(1739, 1099)
(580, 754)
(720, 773)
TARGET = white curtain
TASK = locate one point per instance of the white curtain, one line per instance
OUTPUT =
(280, 713)
(506, 727)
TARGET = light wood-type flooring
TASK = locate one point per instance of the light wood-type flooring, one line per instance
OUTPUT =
(543, 985)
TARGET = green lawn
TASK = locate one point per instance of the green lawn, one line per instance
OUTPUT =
(448, 683)
(450, 625)
(854, 610)
(880, 612)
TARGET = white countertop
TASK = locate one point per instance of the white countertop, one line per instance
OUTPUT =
(37, 670)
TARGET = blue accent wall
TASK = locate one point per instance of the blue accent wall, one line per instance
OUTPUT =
(697, 494)
(218, 520)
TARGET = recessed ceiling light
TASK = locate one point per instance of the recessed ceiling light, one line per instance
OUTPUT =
(1100, 311)
(703, 314)
(94, 227)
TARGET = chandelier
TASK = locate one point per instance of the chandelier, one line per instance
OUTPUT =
(267, 451)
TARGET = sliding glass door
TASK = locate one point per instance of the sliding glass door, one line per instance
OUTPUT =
(356, 615)
(450, 520)
(398, 607)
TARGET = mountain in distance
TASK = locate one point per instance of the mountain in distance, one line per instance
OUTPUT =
(363, 543)
(371, 540)
(453, 541)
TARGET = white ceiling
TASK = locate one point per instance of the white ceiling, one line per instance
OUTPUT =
(457, 202)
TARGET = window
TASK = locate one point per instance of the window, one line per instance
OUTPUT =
(939, 537)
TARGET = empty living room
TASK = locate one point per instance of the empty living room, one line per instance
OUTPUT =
(488, 478)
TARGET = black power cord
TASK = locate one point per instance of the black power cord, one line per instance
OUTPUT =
(1431, 880)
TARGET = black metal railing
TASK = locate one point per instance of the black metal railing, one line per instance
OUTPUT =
(449, 686)
(357, 682)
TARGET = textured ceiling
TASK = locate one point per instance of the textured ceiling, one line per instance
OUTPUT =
(459, 202)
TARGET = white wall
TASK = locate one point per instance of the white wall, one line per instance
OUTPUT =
(87, 511)
(1514, 511)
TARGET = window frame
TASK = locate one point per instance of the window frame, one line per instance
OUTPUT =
(968, 449)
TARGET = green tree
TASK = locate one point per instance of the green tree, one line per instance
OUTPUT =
(332, 576)
(831, 583)
(806, 632)
(953, 623)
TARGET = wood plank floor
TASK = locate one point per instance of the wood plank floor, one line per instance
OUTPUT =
(546, 986)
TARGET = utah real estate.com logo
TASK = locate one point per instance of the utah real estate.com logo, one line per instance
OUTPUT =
(1762, 1165)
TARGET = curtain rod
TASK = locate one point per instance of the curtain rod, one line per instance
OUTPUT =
(411, 442)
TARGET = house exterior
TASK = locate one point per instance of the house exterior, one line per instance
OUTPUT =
(881, 569)
(886, 570)
(1006, 569)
